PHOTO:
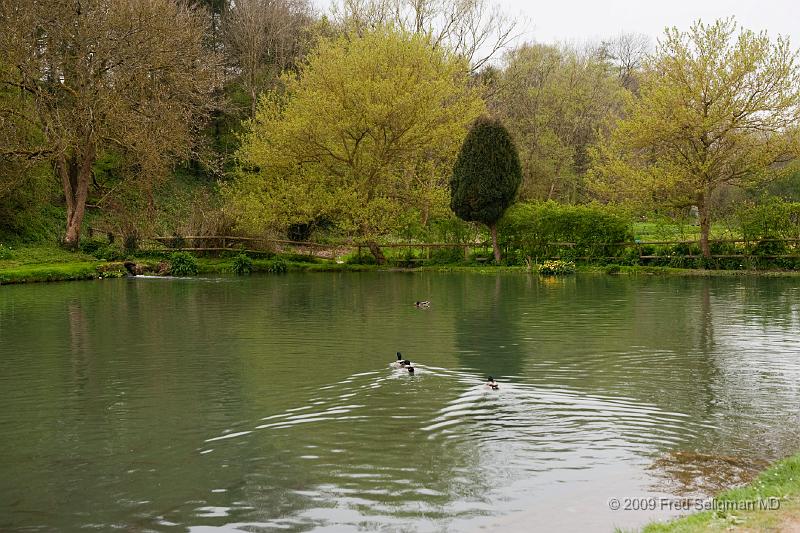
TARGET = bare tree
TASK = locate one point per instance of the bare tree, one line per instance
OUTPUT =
(474, 29)
(264, 37)
(129, 74)
(627, 51)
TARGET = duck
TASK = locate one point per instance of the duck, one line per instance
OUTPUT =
(410, 370)
(491, 383)
(422, 305)
(400, 363)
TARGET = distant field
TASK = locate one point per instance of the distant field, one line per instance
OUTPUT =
(672, 231)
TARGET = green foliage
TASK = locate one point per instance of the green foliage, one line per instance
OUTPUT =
(556, 268)
(27, 217)
(772, 218)
(177, 241)
(5, 252)
(100, 249)
(277, 266)
(360, 259)
(182, 264)
(361, 135)
(717, 108)
(131, 243)
(613, 268)
(555, 117)
(528, 228)
(446, 256)
(299, 258)
(486, 175)
(769, 247)
(48, 272)
(242, 264)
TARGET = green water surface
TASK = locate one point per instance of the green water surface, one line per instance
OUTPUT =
(267, 402)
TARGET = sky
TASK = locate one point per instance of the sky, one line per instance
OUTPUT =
(579, 21)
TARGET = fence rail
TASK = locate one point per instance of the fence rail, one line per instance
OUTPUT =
(552, 250)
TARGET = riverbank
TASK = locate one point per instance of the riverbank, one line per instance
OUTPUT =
(770, 503)
(41, 264)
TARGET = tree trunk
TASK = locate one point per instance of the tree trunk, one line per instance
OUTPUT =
(376, 252)
(705, 224)
(495, 246)
(75, 173)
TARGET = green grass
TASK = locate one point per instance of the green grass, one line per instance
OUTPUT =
(49, 272)
(17, 256)
(45, 263)
(781, 481)
(677, 231)
(51, 263)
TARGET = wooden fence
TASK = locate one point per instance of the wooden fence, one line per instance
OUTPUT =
(744, 248)
(255, 245)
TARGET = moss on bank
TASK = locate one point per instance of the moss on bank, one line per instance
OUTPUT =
(741, 508)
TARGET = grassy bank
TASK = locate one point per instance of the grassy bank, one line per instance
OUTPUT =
(42, 263)
(778, 486)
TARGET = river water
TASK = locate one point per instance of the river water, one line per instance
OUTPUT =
(267, 403)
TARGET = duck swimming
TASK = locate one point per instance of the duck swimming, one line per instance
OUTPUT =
(423, 304)
(410, 370)
(492, 384)
(400, 363)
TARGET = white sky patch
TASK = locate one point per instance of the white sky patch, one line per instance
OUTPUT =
(586, 21)
(580, 21)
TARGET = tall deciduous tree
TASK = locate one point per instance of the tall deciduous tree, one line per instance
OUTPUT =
(627, 52)
(554, 100)
(365, 133)
(132, 74)
(473, 29)
(486, 176)
(717, 107)
(264, 37)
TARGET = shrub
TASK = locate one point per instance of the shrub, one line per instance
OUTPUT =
(772, 218)
(629, 256)
(277, 266)
(100, 249)
(177, 241)
(242, 264)
(612, 269)
(769, 246)
(446, 256)
(300, 258)
(363, 259)
(556, 268)
(5, 252)
(182, 264)
(592, 228)
(131, 243)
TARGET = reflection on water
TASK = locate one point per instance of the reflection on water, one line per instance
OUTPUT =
(269, 402)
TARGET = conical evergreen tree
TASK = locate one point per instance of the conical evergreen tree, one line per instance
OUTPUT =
(486, 176)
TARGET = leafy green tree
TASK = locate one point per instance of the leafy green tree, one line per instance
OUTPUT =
(554, 100)
(99, 74)
(365, 133)
(716, 109)
(486, 176)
